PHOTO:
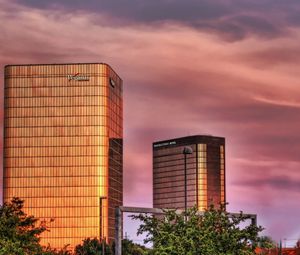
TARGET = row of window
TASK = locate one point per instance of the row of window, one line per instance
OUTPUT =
(191, 173)
(78, 171)
(56, 161)
(73, 132)
(179, 159)
(173, 181)
(171, 151)
(168, 195)
(54, 181)
(52, 92)
(26, 75)
(175, 173)
(72, 233)
(63, 201)
(82, 222)
(180, 197)
(58, 69)
(56, 101)
(57, 121)
(39, 112)
(177, 153)
(64, 211)
(55, 171)
(176, 167)
(53, 192)
(51, 80)
(62, 141)
(171, 204)
(174, 187)
(175, 157)
(47, 83)
(162, 167)
(59, 130)
(59, 237)
(69, 151)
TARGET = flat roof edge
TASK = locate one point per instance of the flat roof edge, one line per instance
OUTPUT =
(44, 64)
(189, 137)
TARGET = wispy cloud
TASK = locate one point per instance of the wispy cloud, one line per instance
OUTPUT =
(278, 102)
(281, 182)
(231, 19)
(181, 77)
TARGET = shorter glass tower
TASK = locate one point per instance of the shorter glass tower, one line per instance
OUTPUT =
(205, 172)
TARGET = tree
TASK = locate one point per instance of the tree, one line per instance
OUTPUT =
(19, 233)
(130, 248)
(91, 247)
(50, 251)
(215, 232)
(266, 246)
(266, 242)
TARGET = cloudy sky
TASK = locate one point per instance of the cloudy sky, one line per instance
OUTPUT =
(225, 67)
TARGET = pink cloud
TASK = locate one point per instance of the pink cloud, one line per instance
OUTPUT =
(180, 81)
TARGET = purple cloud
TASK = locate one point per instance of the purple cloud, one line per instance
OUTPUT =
(233, 19)
(181, 81)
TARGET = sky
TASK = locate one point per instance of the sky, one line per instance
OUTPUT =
(226, 67)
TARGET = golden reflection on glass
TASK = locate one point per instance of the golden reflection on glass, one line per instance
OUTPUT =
(63, 147)
(202, 177)
(205, 172)
(222, 173)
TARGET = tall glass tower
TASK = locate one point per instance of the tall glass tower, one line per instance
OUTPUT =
(205, 172)
(63, 147)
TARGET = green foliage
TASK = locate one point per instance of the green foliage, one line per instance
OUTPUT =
(18, 231)
(266, 242)
(91, 247)
(49, 251)
(213, 233)
(130, 248)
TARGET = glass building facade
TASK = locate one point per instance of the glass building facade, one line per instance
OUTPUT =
(63, 147)
(205, 172)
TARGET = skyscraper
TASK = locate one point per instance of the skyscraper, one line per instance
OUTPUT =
(63, 147)
(205, 168)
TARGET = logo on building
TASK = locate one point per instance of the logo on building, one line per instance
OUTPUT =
(112, 82)
(78, 77)
(164, 144)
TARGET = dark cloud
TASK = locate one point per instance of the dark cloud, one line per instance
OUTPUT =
(277, 182)
(178, 82)
(144, 10)
(232, 19)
